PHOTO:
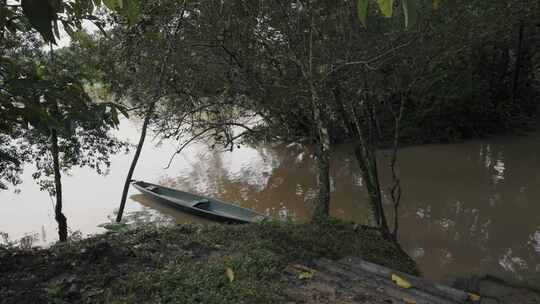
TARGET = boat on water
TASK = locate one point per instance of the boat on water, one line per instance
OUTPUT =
(199, 205)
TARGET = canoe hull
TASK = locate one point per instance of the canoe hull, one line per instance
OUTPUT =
(197, 212)
(187, 207)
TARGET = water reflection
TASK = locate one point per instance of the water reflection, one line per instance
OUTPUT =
(155, 212)
(466, 208)
(475, 205)
(27, 241)
(273, 181)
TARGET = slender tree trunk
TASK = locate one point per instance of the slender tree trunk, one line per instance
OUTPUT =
(362, 152)
(365, 156)
(322, 209)
(361, 158)
(59, 216)
(134, 162)
(377, 186)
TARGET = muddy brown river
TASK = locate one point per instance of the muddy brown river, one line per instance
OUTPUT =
(467, 208)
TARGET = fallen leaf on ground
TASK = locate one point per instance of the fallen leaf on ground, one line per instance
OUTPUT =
(306, 275)
(474, 297)
(303, 272)
(400, 281)
(230, 274)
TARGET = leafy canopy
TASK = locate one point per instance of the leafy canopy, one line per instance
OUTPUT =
(45, 15)
(44, 92)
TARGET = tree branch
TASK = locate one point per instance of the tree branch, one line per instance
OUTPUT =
(193, 138)
(367, 63)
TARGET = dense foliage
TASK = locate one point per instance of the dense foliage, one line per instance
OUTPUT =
(475, 71)
(47, 17)
(311, 71)
(48, 118)
(42, 92)
(462, 71)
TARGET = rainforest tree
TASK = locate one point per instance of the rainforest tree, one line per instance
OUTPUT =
(47, 116)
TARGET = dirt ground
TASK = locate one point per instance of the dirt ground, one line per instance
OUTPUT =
(289, 263)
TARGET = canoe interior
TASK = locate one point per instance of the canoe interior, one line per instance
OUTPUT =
(201, 203)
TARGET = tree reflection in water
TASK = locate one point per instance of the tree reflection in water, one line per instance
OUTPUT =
(467, 208)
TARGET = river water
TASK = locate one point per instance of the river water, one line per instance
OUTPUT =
(467, 208)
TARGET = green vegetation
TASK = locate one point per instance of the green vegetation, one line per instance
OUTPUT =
(317, 72)
(187, 263)
(46, 16)
(49, 120)
(313, 71)
(313, 74)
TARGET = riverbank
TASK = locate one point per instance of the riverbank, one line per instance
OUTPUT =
(187, 263)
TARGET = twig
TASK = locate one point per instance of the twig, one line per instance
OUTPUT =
(367, 63)
(395, 190)
(193, 138)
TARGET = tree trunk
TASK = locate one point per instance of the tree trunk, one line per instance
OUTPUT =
(372, 193)
(322, 209)
(378, 197)
(59, 216)
(365, 157)
(134, 162)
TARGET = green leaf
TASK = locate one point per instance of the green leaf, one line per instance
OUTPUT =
(41, 15)
(114, 226)
(411, 12)
(113, 4)
(128, 8)
(436, 4)
(363, 6)
(114, 116)
(132, 10)
(387, 7)
(68, 28)
(123, 110)
(57, 5)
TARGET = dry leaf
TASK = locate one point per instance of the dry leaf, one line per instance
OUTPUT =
(474, 297)
(230, 274)
(400, 281)
(306, 275)
(303, 272)
(409, 301)
(302, 268)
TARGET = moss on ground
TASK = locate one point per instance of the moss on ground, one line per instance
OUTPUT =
(186, 263)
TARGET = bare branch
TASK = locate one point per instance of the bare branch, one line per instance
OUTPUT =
(395, 190)
(367, 63)
(193, 138)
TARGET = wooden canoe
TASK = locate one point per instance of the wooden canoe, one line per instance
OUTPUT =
(199, 205)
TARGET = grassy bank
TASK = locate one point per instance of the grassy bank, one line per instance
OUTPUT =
(185, 264)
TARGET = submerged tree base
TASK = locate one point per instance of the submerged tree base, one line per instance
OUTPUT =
(187, 263)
